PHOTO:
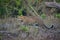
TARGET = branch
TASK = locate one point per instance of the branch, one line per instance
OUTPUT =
(52, 4)
(32, 8)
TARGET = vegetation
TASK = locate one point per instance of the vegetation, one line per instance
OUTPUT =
(10, 7)
(14, 9)
(58, 1)
(57, 15)
(1, 35)
(43, 16)
(24, 28)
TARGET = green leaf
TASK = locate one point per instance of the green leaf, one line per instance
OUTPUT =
(20, 12)
(43, 16)
(24, 28)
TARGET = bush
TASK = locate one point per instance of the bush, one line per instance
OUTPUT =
(7, 7)
(2, 11)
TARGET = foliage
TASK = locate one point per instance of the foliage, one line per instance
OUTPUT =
(3, 7)
(18, 2)
(7, 7)
(2, 11)
(43, 16)
(1, 35)
(58, 1)
(57, 15)
(20, 12)
(24, 28)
